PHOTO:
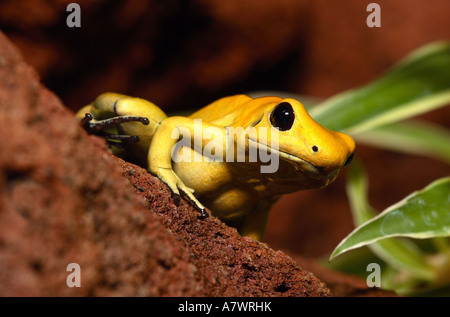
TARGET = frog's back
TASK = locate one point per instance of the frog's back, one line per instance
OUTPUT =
(238, 110)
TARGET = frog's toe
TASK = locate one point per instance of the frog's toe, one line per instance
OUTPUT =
(189, 189)
(176, 199)
(95, 126)
(189, 193)
(176, 185)
(203, 213)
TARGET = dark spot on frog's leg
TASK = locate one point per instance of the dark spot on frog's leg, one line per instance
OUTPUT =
(203, 213)
(144, 121)
(85, 122)
(176, 199)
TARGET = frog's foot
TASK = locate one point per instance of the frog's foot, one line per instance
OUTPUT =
(176, 185)
(96, 126)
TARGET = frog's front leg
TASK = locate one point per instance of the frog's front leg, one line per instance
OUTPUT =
(164, 143)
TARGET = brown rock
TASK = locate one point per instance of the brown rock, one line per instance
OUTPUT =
(183, 55)
(63, 199)
(230, 265)
(59, 207)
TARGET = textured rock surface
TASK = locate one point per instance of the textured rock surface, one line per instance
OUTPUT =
(183, 54)
(64, 199)
(229, 264)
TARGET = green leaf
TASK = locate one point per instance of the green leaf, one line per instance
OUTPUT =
(414, 137)
(419, 83)
(398, 253)
(357, 189)
(423, 214)
(403, 254)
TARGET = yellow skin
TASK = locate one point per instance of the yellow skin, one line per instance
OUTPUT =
(310, 156)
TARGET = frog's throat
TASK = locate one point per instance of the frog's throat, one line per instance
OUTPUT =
(305, 165)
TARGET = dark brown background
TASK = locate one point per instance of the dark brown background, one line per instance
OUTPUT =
(182, 55)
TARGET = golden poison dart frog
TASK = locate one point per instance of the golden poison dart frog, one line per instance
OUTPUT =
(236, 156)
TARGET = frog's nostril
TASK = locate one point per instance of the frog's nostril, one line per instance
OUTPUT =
(315, 148)
(349, 159)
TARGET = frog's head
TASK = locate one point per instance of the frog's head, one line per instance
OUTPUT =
(317, 153)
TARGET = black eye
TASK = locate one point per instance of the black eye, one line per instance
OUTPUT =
(282, 117)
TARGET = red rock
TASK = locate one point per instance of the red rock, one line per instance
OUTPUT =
(64, 199)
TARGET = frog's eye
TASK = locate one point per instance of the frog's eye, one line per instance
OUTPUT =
(282, 117)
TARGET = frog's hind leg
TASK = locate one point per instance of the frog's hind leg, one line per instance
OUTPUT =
(123, 118)
(253, 224)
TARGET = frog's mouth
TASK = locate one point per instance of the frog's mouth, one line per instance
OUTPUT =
(309, 176)
(301, 163)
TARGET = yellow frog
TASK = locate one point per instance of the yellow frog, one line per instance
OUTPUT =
(220, 151)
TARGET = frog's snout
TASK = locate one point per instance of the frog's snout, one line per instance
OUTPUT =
(335, 152)
(348, 146)
(347, 149)
(349, 159)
